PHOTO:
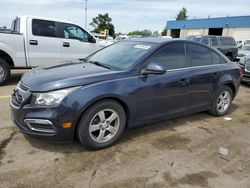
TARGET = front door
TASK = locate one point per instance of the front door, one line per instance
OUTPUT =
(75, 43)
(163, 96)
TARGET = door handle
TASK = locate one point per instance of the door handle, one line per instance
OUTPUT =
(33, 42)
(66, 44)
(184, 82)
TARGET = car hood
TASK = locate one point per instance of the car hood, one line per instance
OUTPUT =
(244, 52)
(66, 75)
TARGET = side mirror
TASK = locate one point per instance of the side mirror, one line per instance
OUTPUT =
(153, 68)
(91, 39)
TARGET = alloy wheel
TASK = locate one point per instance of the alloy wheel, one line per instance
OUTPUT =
(104, 125)
(223, 101)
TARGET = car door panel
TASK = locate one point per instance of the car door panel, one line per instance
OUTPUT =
(206, 72)
(165, 95)
(75, 42)
(43, 43)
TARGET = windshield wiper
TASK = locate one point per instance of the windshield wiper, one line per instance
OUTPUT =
(99, 64)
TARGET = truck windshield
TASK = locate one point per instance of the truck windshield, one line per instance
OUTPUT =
(121, 55)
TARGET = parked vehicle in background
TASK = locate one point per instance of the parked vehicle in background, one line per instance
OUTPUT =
(247, 42)
(162, 79)
(239, 43)
(244, 51)
(35, 41)
(226, 45)
(245, 66)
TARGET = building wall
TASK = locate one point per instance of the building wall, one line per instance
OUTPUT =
(238, 33)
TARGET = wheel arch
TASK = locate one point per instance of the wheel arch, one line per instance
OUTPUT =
(102, 98)
(6, 57)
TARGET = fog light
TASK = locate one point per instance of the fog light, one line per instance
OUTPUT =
(67, 125)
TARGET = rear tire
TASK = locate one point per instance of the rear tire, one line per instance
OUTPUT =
(222, 101)
(102, 125)
(4, 72)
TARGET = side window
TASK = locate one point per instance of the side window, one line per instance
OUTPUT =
(214, 41)
(205, 41)
(71, 31)
(43, 28)
(199, 55)
(227, 41)
(170, 57)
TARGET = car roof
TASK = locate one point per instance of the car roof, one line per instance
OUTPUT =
(156, 40)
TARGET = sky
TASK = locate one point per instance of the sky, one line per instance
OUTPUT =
(127, 15)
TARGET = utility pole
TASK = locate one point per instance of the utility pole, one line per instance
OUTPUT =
(86, 13)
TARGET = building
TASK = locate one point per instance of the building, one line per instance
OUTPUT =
(237, 27)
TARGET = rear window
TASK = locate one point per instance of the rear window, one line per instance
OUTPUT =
(43, 28)
(227, 41)
(200, 56)
(15, 27)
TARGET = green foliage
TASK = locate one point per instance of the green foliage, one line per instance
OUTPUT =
(182, 15)
(144, 33)
(164, 32)
(102, 22)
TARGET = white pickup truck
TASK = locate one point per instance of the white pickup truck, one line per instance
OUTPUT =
(36, 41)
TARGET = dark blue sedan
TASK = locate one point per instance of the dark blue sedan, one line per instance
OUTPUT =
(130, 83)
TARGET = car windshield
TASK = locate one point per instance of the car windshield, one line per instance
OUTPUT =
(246, 48)
(121, 55)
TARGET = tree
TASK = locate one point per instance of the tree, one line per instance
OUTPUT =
(144, 33)
(102, 22)
(164, 32)
(156, 34)
(182, 15)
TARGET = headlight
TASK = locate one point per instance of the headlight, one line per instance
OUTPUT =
(242, 62)
(50, 98)
(241, 55)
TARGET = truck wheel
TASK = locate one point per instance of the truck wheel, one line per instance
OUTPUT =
(222, 101)
(102, 124)
(4, 72)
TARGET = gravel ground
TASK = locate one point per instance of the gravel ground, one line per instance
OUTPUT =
(182, 152)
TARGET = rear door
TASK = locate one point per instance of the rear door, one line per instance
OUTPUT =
(76, 42)
(206, 72)
(43, 43)
(164, 95)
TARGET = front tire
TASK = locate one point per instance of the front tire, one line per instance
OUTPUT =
(102, 125)
(4, 72)
(222, 101)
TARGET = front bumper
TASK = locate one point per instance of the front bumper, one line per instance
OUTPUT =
(245, 76)
(43, 122)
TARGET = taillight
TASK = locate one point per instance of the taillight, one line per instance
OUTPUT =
(240, 72)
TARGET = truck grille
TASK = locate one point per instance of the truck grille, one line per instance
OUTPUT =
(247, 66)
(16, 99)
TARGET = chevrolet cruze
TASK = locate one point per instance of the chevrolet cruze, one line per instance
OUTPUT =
(130, 83)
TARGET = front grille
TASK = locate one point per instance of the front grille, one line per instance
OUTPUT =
(247, 66)
(16, 99)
